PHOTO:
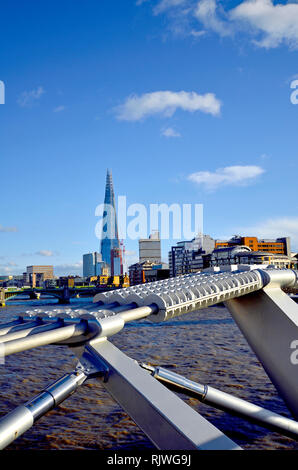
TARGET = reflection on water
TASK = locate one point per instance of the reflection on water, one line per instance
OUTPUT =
(205, 346)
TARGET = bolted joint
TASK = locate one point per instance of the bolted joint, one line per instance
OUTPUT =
(92, 367)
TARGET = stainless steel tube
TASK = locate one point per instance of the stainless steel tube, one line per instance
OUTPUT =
(137, 313)
(251, 412)
(23, 417)
(30, 331)
(226, 402)
(21, 326)
(5, 327)
(121, 308)
(14, 424)
(55, 394)
(47, 337)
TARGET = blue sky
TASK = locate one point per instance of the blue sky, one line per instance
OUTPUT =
(186, 101)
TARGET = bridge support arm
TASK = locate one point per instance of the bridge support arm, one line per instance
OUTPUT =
(268, 320)
(168, 421)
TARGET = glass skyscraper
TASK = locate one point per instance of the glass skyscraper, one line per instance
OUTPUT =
(109, 238)
(92, 264)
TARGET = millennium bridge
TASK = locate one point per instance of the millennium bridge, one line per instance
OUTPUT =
(266, 316)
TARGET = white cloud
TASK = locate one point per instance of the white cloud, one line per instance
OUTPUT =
(8, 229)
(207, 13)
(68, 269)
(10, 264)
(45, 253)
(275, 228)
(166, 103)
(269, 23)
(164, 5)
(170, 132)
(9, 268)
(29, 98)
(58, 109)
(230, 175)
(197, 34)
(278, 23)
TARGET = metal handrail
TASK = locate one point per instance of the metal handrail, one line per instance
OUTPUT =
(265, 316)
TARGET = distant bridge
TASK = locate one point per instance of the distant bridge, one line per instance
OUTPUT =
(63, 294)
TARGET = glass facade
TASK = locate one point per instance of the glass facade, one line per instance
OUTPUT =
(109, 238)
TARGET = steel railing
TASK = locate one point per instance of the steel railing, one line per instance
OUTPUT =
(151, 404)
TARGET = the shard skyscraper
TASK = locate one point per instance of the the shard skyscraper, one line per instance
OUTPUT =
(110, 245)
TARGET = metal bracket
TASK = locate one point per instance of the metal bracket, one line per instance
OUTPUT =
(92, 367)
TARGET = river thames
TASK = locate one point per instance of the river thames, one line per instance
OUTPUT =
(204, 346)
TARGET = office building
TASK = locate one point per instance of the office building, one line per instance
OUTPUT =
(150, 249)
(278, 246)
(147, 271)
(188, 256)
(36, 275)
(92, 264)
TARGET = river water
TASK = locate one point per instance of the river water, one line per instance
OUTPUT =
(205, 346)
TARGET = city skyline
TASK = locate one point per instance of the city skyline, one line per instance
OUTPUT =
(186, 101)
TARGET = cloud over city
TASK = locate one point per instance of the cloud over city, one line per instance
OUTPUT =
(65, 269)
(165, 103)
(236, 175)
(9, 268)
(46, 253)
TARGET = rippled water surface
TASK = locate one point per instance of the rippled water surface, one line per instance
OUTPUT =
(205, 346)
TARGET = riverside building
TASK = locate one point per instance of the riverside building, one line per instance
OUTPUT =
(36, 275)
(187, 256)
(278, 246)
